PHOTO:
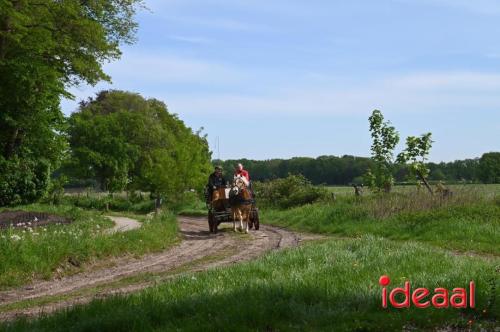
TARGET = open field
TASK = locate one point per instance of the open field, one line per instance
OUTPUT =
(463, 223)
(489, 189)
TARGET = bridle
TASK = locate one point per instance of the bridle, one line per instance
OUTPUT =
(238, 186)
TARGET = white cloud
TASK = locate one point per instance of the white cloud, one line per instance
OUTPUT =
(416, 93)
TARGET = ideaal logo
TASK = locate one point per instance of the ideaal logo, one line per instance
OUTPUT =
(420, 297)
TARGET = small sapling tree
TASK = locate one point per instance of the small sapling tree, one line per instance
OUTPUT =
(415, 155)
(385, 138)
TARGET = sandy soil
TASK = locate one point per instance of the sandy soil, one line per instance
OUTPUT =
(199, 250)
(123, 224)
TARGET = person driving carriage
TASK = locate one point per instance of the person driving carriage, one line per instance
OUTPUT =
(215, 180)
(244, 173)
(241, 171)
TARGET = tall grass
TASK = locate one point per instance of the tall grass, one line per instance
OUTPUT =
(466, 221)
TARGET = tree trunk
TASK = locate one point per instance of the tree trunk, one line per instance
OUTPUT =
(424, 180)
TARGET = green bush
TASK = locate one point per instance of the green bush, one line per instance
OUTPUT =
(23, 180)
(294, 190)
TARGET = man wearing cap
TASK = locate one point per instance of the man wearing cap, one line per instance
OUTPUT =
(215, 180)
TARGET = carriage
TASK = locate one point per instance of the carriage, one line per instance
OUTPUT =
(219, 213)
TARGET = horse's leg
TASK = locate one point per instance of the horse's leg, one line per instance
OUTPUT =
(241, 218)
(247, 222)
(234, 221)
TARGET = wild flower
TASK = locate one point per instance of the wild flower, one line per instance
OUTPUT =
(15, 237)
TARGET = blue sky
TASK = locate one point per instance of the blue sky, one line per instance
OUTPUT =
(276, 79)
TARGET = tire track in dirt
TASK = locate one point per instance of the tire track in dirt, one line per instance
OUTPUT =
(197, 244)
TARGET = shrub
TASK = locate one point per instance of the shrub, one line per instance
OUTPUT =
(23, 181)
(294, 190)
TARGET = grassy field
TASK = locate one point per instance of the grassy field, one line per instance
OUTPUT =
(326, 286)
(489, 189)
(465, 222)
(330, 284)
(61, 249)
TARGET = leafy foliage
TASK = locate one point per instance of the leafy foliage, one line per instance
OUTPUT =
(127, 142)
(23, 181)
(294, 190)
(45, 47)
(385, 138)
(489, 167)
(416, 152)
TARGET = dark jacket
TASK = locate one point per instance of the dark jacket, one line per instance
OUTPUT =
(216, 181)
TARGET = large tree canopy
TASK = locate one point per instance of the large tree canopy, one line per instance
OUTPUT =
(125, 141)
(489, 167)
(45, 47)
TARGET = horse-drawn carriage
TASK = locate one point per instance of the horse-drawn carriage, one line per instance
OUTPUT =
(227, 204)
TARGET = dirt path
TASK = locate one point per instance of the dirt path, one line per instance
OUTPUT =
(123, 224)
(198, 251)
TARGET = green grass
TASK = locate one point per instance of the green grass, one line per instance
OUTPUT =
(325, 286)
(45, 251)
(469, 226)
(489, 189)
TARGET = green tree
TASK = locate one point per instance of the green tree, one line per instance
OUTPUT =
(127, 142)
(385, 138)
(416, 152)
(489, 167)
(46, 47)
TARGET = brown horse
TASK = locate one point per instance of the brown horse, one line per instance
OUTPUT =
(241, 202)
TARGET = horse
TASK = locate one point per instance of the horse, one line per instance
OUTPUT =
(241, 202)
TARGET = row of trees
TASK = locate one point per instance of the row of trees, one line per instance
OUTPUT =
(346, 170)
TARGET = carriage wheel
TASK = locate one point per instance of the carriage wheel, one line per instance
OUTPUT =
(215, 225)
(256, 221)
(211, 222)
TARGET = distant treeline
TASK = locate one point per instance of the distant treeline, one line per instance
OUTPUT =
(346, 170)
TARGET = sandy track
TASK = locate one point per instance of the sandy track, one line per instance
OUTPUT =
(123, 224)
(197, 244)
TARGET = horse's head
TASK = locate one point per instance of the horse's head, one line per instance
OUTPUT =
(240, 183)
